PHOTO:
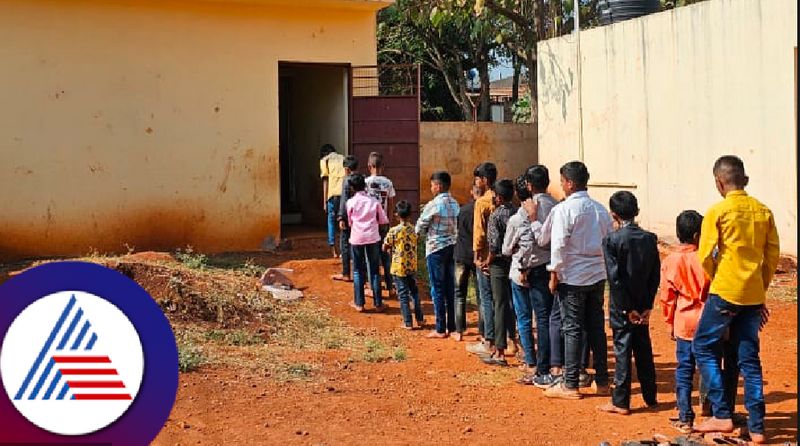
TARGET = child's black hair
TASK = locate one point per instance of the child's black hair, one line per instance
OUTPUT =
(442, 178)
(576, 172)
(486, 170)
(730, 169)
(375, 159)
(357, 182)
(538, 176)
(624, 204)
(402, 209)
(350, 162)
(687, 225)
(522, 188)
(325, 150)
(504, 189)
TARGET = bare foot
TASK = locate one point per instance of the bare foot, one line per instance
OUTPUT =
(407, 327)
(436, 335)
(611, 408)
(341, 278)
(758, 438)
(458, 336)
(358, 308)
(715, 425)
(335, 254)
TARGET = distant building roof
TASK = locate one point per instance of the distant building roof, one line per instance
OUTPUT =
(502, 88)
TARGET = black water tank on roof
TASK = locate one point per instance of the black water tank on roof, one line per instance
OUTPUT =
(613, 11)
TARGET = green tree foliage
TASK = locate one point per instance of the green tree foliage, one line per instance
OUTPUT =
(445, 36)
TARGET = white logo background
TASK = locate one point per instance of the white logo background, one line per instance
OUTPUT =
(116, 338)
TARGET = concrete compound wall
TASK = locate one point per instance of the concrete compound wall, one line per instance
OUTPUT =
(458, 147)
(665, 95)
(152, 123)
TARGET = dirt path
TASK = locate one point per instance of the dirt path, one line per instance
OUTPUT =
(440, 394)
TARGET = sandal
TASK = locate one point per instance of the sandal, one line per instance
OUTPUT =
(682, 426)
(526, 380)
(493, 360)
(341, 278)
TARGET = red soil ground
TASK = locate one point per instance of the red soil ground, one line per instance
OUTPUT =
(440, 394)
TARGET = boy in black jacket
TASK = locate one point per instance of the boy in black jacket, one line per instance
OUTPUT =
(634, 271)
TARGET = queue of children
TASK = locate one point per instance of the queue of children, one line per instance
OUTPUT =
(541, 269)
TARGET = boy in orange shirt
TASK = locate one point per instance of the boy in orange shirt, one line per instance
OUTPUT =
(684, 289)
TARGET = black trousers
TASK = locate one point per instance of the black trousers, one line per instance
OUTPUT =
(633, 342)
(582, 309)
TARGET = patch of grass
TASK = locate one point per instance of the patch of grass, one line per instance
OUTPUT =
(243, 337)
(400, 354)
(191, 259)
(297, 371)
(376, 351)
(190, 356)
(237, 338)
(782, 293)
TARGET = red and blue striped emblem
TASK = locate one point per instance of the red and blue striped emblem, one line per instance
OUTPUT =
(69, 368)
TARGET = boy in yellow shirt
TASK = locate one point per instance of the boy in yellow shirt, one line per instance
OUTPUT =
(743, 231)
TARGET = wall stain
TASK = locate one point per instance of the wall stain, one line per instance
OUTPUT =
(223, 185)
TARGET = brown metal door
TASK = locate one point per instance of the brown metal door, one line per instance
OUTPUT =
(384, 117)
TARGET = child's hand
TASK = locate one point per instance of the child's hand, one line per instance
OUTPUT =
(672, 333)
(553, 282)
(645, 318)
(764, 311)
(342, 225)
(634, 317)
(531, 209)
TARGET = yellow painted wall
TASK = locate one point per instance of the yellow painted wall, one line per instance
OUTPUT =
(151, 123)
(459, 147)
(667, 94)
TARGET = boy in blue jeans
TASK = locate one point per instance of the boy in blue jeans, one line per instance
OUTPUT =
(684, 289)
(438, 222)
(364, 217)
(743, 232)
(401, 243)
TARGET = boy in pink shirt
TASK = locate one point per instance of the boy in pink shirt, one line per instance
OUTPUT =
(365, 215)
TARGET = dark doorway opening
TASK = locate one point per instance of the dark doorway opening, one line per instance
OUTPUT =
(313, 102)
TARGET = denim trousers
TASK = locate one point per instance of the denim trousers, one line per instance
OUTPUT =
(534, 301)
(386, 262)
(632, 342)
(463, 273)
(557, 338)
(346, 250)
(730, 377)
(441, 271)
(684, 374)
(332, 208)
(408, 293)
(504, 323)
(744, 322)
(582, 308)
(365, 265)
(486, 304)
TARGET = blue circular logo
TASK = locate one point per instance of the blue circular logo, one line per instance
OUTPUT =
(86, 355)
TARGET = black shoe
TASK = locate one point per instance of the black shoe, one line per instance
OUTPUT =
(545, 381)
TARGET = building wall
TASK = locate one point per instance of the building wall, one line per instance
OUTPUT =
(151, 123)
(665, 95)
(458, 147)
